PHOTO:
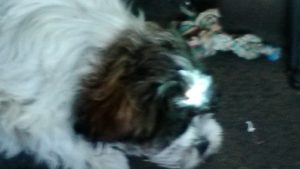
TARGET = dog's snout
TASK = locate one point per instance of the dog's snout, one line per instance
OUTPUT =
(202, 146)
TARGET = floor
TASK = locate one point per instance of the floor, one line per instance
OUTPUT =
(257, 91)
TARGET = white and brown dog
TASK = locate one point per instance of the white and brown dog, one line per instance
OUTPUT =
(83, 83)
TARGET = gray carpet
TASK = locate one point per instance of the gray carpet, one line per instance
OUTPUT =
(257, 91)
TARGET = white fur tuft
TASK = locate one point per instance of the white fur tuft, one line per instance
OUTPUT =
(197, 94)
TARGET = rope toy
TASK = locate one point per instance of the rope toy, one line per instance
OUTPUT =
(205, 36)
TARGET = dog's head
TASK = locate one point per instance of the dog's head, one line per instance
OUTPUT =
(148, 93)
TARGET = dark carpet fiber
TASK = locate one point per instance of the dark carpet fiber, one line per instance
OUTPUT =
(250, 90)
(257, 91)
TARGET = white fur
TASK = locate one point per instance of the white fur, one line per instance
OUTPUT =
(201, 127)
(198, 93)
(41, 42)
(46, 46)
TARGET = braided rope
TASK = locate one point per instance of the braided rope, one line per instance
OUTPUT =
(205, 36)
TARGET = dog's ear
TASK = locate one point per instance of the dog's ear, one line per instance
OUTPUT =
(127, 95)
(105, 110)
(107, 107)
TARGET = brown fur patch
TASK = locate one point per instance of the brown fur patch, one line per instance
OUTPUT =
(106, 106)
(119, 100)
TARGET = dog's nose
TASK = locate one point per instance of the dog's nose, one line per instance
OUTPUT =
(202, 146)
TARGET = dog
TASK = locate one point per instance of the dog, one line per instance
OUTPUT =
(83, 84)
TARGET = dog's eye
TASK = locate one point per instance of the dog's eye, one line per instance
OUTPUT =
(193, 112)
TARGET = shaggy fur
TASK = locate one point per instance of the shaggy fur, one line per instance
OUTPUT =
(83, 83)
